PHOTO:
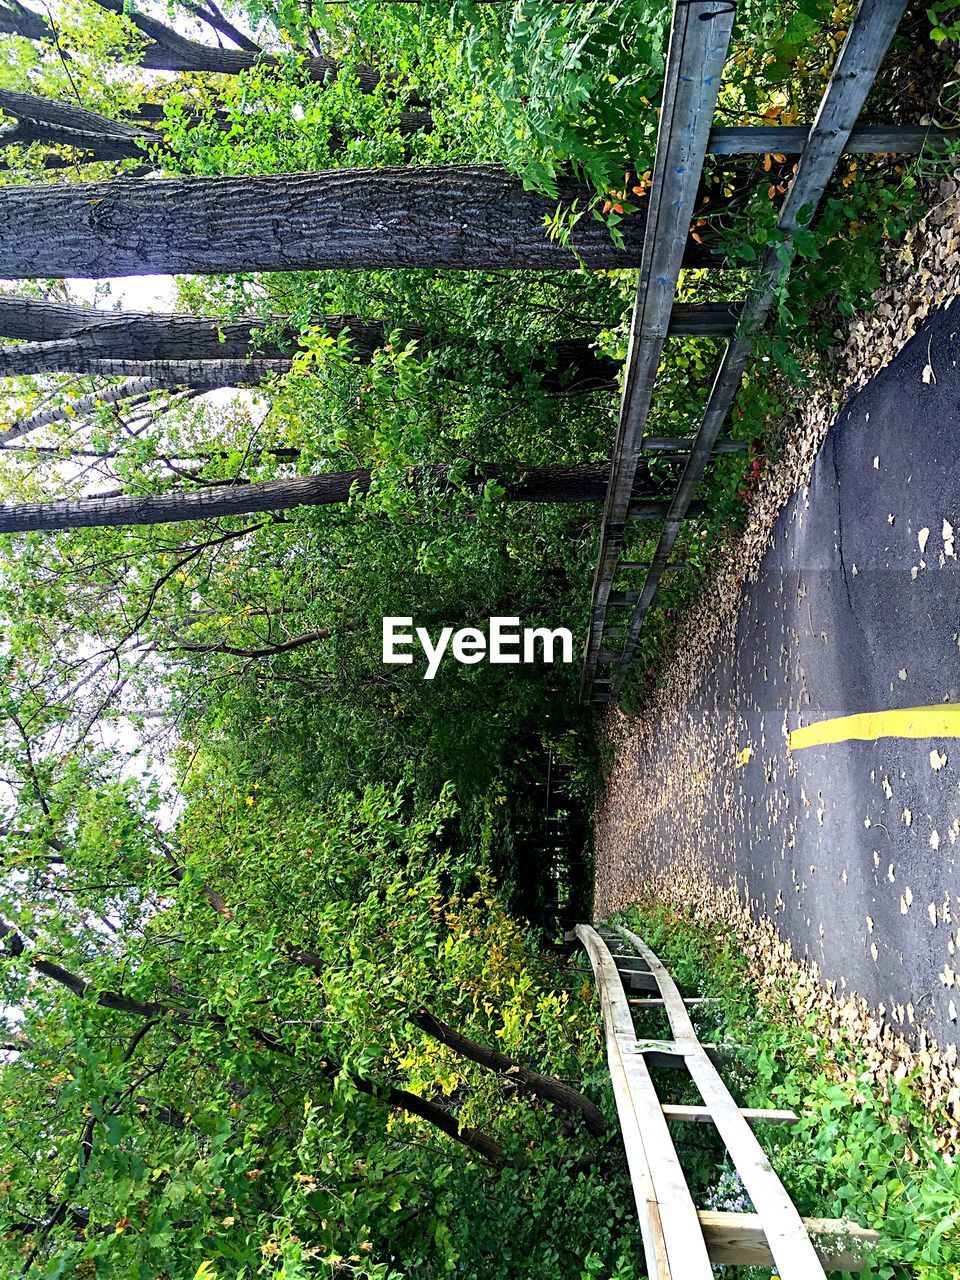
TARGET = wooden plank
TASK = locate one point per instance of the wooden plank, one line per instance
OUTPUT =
(683, 444)
(738, 1238)
(863, 49)
(793, 1252)
(657, 1001)
(639, 981)
(699, 38)
(865, 139)
(653, 509)
(752, 1115)
(703, 319)
(672, 1239)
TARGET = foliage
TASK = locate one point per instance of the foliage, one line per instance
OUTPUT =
(239, 853)
(279, 962)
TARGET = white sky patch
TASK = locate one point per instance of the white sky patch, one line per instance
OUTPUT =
(127, 293)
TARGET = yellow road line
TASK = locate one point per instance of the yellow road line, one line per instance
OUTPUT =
(942, 721)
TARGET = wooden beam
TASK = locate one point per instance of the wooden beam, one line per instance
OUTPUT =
(865, 139)
(867, 40)
(639, 981)
(699, 39)
(738, 1238)
(753, 1115)
(650, 509)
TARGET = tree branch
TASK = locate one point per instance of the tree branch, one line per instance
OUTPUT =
(551, 1089)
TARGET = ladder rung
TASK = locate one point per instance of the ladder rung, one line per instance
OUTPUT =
(747, 140)
(639, 981)
(642, 1003)
(754, 1115)
(704, 319)
(631, 566)
(681, 444)
(645, 509)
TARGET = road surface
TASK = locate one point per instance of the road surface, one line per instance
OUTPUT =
(851, 846)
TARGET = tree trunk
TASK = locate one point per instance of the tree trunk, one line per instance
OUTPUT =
(581, 483)
(60, 338)
(30, 106)
(463, 217)
(199, 375)
(98, 138)
(138, 390)
(89, 147)
(416, 1105)
(16, 20)
(14, 946)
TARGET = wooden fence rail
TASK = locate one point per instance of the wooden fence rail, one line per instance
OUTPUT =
(683, 1242)
(698, 43)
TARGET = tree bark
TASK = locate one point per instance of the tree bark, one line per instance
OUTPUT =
(558, 1092)
(200, 375)
(61, 338)
(17, 20)
(460, 217)
(88, 146)
(50, 111)
(583, 483)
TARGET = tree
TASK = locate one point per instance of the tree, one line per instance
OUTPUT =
(585, 483)
(60, 337)
(458, 217)
(90, 135)
(84, 136)
(132, 394)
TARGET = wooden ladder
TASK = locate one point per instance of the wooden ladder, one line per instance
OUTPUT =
(683, 1242)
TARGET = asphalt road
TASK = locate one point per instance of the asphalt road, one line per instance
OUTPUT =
(852, 847)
